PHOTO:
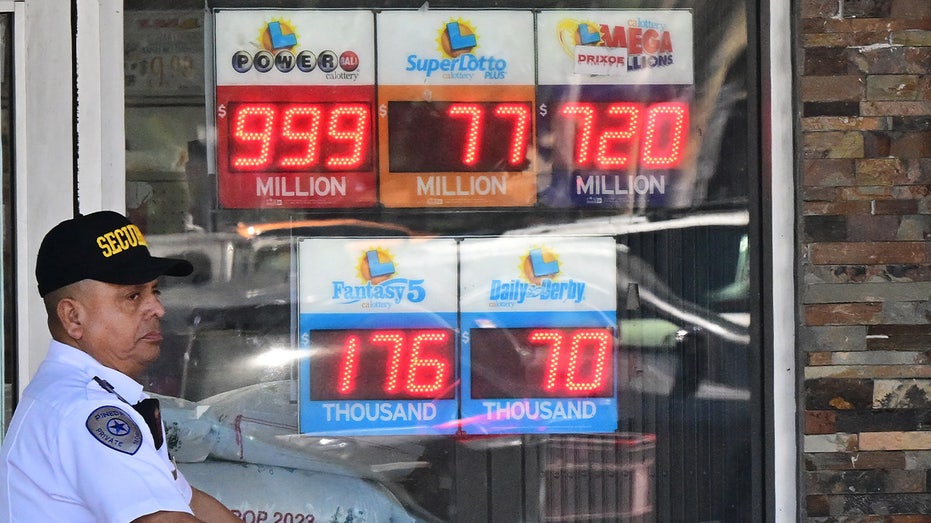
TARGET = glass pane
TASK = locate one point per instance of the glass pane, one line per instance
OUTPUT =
(299, 343)
(7, 365)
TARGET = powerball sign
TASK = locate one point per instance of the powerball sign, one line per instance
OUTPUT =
(378, 331)
(538, 320)
(294, 98)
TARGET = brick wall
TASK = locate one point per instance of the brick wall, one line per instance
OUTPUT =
(865, 259)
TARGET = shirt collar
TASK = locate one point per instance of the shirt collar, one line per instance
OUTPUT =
(122, 384)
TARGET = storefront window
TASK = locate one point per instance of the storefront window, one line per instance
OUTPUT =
(458, 261)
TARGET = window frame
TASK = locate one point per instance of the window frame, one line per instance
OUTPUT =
(55, 138)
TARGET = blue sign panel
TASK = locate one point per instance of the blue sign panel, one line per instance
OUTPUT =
(539, 339)
(378, 330)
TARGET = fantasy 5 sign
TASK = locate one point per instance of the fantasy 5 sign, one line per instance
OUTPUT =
(378, 320)
(442, 336)
(462, 108)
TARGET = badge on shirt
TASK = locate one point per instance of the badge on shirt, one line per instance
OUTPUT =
(114, 428)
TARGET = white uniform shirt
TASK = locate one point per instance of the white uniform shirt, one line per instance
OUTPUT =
(77, 453)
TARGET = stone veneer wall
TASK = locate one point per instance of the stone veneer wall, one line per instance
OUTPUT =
(864, 286)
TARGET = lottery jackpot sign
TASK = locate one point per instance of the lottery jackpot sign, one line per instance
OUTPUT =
(462, 108)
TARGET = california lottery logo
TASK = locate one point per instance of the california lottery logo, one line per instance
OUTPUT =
(646, 42)
(538, 264)
(278, 35)
(456, 38)
(539, 272)
(381, 287)
(376, 265)
(457, 42)
(575, 32)
(278, 49)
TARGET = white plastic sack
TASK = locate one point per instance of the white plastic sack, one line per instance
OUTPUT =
(260, 493)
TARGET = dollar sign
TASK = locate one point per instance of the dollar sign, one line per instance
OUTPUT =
(383, 110)
(543, 110)
(221, 111)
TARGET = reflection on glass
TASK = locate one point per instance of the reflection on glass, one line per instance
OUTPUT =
(685, 361)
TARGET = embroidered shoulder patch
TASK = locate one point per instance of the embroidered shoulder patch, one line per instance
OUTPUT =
(114, 428)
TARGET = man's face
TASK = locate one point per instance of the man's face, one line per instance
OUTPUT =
(121, 325)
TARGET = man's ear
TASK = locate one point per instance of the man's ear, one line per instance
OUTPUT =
(71, 314)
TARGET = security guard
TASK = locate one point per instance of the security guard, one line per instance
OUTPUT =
(86, 444)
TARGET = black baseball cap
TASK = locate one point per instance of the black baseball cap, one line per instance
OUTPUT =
(103, 246)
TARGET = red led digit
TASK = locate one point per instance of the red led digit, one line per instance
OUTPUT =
(626, 135)
(349, 123)
(585, 115)
(302, 124)
(554, 341)
(474, 114)
(254, 123)
(600, 343)
(420, 367)
(666, 132)
(520, 113)
(395, 344)
(382, 364)
(297, 136)
(566, 374)
(660, 132)
(348, 366)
